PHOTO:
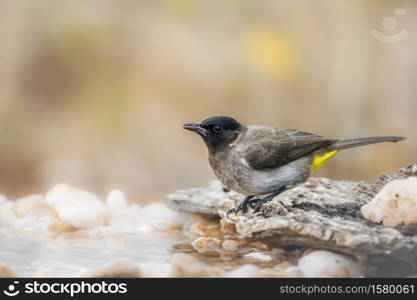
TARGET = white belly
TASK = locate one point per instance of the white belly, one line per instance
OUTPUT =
(253, 182)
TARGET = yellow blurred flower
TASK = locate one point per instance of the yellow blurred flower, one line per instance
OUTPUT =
(270, 51)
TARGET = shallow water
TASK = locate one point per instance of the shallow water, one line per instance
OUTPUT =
(68, 255)
(71, 233)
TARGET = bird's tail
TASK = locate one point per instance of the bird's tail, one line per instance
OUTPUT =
(351, 143)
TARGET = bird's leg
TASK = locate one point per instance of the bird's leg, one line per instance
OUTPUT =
(256, 204)
(242, 206)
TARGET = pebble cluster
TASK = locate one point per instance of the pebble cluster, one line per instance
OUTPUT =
(211, 246)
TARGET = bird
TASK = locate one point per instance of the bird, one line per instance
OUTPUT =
(264, 161)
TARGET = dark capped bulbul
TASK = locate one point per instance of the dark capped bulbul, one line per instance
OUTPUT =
(260, 160)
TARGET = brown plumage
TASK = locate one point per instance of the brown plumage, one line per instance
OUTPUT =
(270, 148)
(260, 160)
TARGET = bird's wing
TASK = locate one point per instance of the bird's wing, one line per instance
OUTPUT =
(270, 148)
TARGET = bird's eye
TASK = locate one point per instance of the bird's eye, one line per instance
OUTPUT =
(217, 129)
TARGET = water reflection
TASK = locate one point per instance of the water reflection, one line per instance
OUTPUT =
(69, 254)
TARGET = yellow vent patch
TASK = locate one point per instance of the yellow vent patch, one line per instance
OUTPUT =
(318, 161)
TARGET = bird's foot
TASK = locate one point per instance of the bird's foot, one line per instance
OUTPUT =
(256, 204)
(268, 198)
(243, 206)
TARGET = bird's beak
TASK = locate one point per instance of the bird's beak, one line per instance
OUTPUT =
(196, 128)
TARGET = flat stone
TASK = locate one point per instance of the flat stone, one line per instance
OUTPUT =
(321, 214)
(209, 201)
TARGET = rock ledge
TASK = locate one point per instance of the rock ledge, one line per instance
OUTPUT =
(322, 214)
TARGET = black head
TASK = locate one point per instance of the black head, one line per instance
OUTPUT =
(216, 131)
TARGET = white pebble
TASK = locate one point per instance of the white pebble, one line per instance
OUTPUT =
(258, 256)
(160, 217)
(325, 263)
(155, 270)
(116, 200)
(77, 208)
(395, 204)
(7, 214)
(245, 271)
(33, 205)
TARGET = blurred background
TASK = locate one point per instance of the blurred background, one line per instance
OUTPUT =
(94, 93)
